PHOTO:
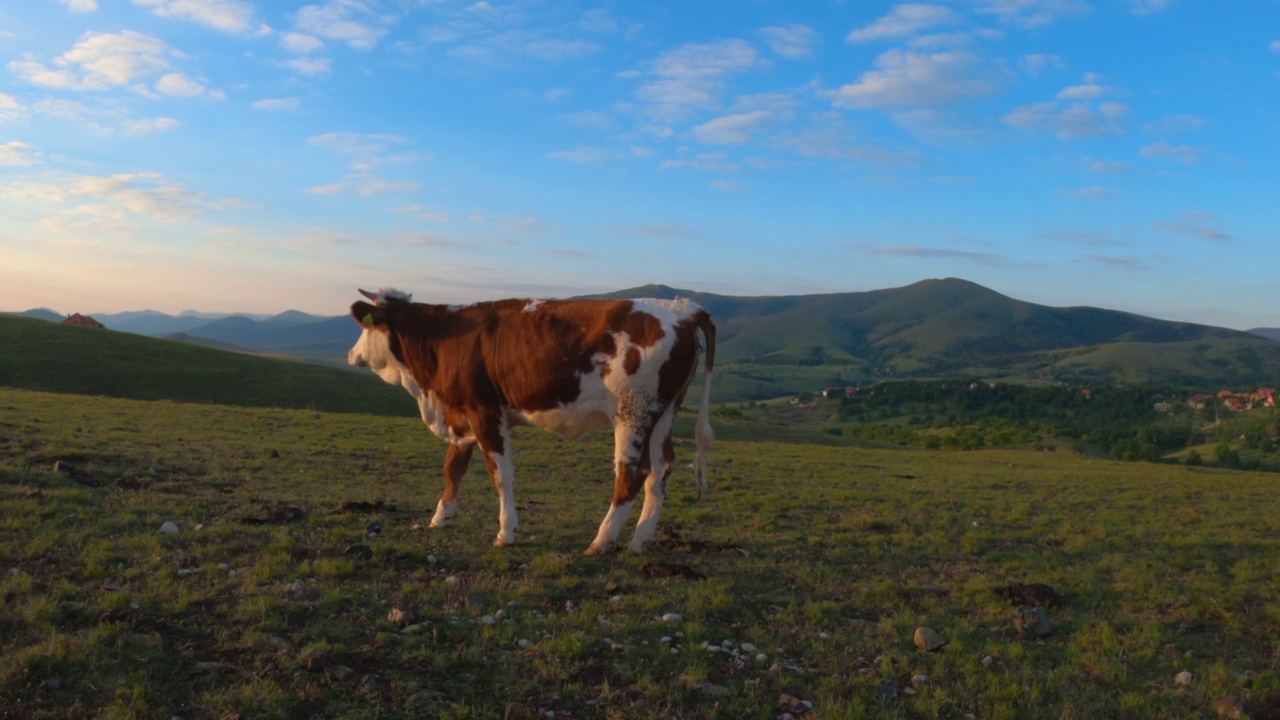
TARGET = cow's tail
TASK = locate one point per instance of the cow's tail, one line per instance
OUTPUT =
(704, 434)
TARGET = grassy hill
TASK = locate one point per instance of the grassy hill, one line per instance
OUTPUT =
(39, 355)
(955, 327)
(808, 569)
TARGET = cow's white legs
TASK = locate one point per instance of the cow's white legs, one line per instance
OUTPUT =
(661, 457)
(628, 453)
(455, 466)
(502, 472)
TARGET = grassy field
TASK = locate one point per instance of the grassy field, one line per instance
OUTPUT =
(823, 556)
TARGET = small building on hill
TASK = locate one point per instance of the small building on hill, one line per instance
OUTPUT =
(83, 321)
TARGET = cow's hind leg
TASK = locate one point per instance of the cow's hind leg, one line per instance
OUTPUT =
(502, 472)
(455, 466)
(630, 465)
(662, 457)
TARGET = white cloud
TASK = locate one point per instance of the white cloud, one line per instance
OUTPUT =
(311, 67)
(920, 251)
(1185, 154)
(1107, 167)
(353, 22)
(127, 194)
(1192, 223)
(364, 186)
(794, 42)
(582, 155)
(11, 111)
(291, 103)
(80, 6)
(707, 162)
(920, 79)
(1147, 7)
(179, 85)
(356, 143)
(829, 136)
(598, 21)
(1032, 13)
(148, 126)
(1073, 121)
(19, 154)
(422, 213)
(300, 43)
(1274, 46)
(1037, 63)
(693, 77)
(226, 15)
(730, 185)
(1173, 124)
(904, 20)
(733, 129)
(99, 61)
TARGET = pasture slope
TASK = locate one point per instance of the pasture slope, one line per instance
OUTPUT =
(824, 557)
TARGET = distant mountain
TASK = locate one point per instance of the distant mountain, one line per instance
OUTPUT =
(774, 345)
(41, 314)
(1268, 333)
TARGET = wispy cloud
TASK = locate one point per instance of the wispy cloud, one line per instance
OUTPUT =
(707, 162)
(1088, 238)
(1174, 124)
(1107, 167)
(18, 154)
(1032, 13)
(80, 6)
(906, 79)
(117, 197)
(583, 155)
(921, 251)
(694, 77)
(794, 42)
(230, 16)
(148, 126)
(736, 129)
(1185, 154)
(11, 111)
(99, 61)
(1149, 7)
(300, 43)
(354, 22)
(276, 104)
(1196, 224)
(656, 231)
(422, 213)
(1077, 112)
(903, 20)
(1115, 262)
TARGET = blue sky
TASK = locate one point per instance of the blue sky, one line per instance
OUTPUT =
(229, 155)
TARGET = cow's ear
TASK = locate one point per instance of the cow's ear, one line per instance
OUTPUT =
(366, 314)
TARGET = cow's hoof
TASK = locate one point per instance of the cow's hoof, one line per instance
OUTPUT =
(596, 551)
(637, 547)
(441, 523)
(503, 542)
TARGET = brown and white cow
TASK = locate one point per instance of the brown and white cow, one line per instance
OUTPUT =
(568, 366)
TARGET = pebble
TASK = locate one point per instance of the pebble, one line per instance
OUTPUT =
(761, 657)
(399, 616)
(824, 636)
(928, 639)
(1183, 678)
(414, 629)
(361, 551)
(416, 527)
(199, 526)
(525, 643)
(432, 559)
(988, 661)
(1032, 622)
(747, 647)
(919, 679)
(453, 580)
(169, 528)
(671, 618)
(488, 620)
(186, 573)
(666, 639)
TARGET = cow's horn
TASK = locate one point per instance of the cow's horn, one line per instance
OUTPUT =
(372, 296)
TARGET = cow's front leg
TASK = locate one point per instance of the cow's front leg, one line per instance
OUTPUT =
(455, 466)
(495, 443)
(662, 455)
(630, 468)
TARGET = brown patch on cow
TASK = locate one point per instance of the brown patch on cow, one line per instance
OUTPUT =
(632, 362)
(677, 372)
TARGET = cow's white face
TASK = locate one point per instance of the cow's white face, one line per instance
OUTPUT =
(373, 350)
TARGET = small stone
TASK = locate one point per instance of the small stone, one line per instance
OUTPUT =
(453, 580)
(199, 526)
(1183, 678)
(487, 620)
(928, 639)
(824, 636)
(525, 643)
(416, 527)
(762, 658)
(169, 528)
(186, 573)
(62, 466)
(1032, 622)
(364, 552)
(612, 587)
(1229, 707)
(432, 559)
(666, 639)
(788, 702)
(987, 661)
(919, 679)
(617, 647)
(416, 629)
(747, 647)
(400, 616)
(908, 691)
(671, 618)
(727, 644)
(716, 691)
(110, 587)
(374, 529)
(341, 672)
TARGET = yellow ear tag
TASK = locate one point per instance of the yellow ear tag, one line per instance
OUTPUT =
(368, 320)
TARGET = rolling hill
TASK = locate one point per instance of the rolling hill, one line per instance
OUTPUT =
(770, 346)
(39, 355)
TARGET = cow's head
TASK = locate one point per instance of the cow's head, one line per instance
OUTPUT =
(373, 350)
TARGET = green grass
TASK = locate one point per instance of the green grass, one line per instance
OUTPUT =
(40, 355)
(825, 557)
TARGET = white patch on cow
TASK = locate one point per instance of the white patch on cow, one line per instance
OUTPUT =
(532, 306)
(388, 294)
(444, 513)
(655, 486)
(373, 350)
(432, 410)
(504, 482)
(610, 528)
(595, 407)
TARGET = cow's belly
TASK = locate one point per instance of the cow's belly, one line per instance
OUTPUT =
(570, 421)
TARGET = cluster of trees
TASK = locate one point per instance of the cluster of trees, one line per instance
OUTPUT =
(968, 414)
